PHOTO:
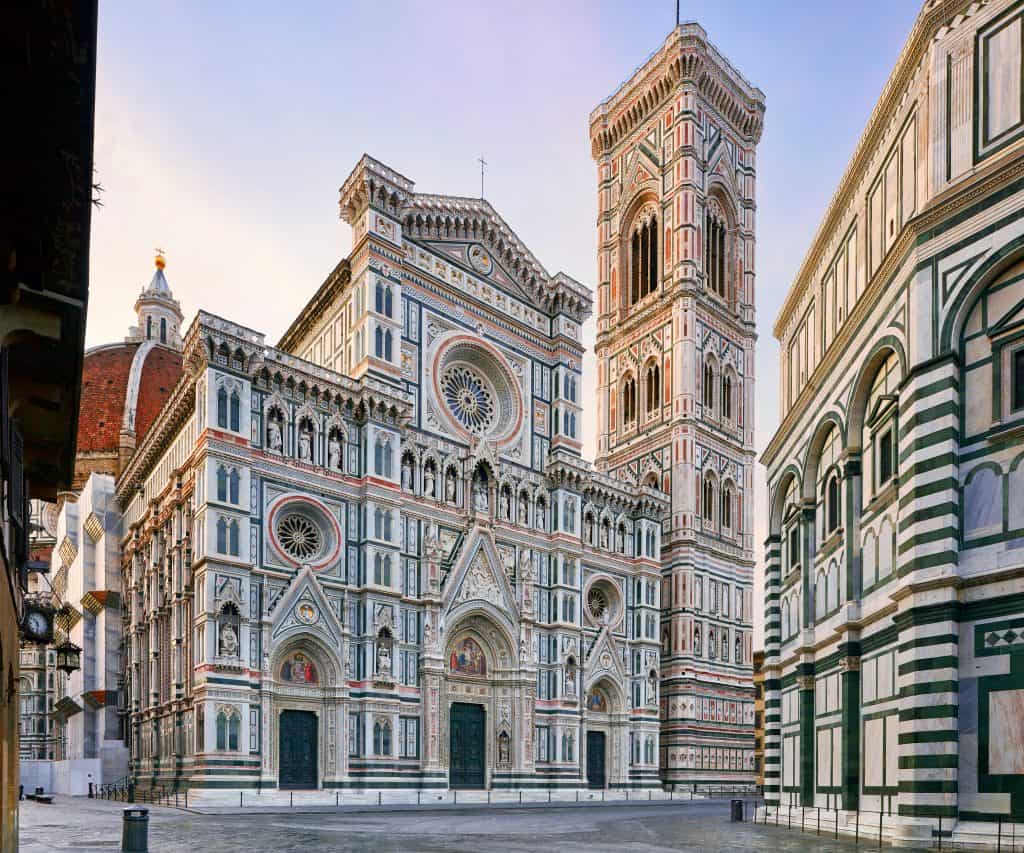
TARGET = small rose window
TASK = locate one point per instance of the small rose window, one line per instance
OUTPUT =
(299, 537)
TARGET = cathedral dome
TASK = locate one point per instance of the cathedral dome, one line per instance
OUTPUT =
(124, 386)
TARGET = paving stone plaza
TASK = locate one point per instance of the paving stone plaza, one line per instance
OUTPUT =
(92, 826)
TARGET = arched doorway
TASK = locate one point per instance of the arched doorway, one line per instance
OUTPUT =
(606, 727)
(302, 708)
(483, 690)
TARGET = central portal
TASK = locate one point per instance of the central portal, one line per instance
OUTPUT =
(298, 757)
(467, 746)
(595, 759)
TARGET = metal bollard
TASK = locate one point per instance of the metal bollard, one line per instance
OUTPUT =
(131, 792)
(91, 794)
(135, 831)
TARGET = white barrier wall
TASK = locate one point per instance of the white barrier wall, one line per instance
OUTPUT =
(61, 777)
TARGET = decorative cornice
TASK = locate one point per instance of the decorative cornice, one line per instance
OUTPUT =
(933, 15)
(1005, 170)
(310, 315)
(687, 54)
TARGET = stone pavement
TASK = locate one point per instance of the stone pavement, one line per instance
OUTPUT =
(93, 826)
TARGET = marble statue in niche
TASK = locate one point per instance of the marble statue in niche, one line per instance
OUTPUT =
(480, 499)
(334, 453)
(228, 641)
(305, 444)
(428, 481)
(274, 434)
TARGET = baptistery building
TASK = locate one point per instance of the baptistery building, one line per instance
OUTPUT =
(894, 576)
(372, 555)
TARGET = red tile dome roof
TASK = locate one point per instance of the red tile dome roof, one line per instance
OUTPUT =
(106, 375)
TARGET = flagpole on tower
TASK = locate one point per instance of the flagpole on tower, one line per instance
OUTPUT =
(677, 13)
(482, 163)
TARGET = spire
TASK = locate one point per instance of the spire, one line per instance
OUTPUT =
(158, 285)
(158, 312)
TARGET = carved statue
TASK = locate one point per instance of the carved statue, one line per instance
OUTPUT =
(524, 509)
(228, 641)
(620, 540)
(506, 506)
(449, 488)
(480, 500)
(407, 474)
(305, 446)
(274, 435)
(590, 529)
(652, 690)
(428, 482)
(604, 535)
(334, 453)
(525, 567)
(503, 748)
(383, 659)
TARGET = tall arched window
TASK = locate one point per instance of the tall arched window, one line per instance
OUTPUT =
(149, 328)
(163, 330)
(222, 483)
(653, 388)
(708, 499)
(643, 256)
(378, 342)
(832, 504)
(222, 408)
(382, 737)
(222, 535)
(629, 401)
(708, 389)
(378, 302)
(233, 548)
(387, 345)
(727, 396)
(715, 249)
(726, 511)
(233, 479)
(235, 409)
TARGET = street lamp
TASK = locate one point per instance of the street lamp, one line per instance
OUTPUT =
(68, 657)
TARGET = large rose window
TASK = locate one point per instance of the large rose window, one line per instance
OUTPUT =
(476, 389)
(469, 397)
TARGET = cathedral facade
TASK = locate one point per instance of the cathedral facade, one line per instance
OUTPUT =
(675, 148)
(372, 556)
(894, 595)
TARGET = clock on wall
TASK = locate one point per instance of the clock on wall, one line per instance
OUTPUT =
(37, 624)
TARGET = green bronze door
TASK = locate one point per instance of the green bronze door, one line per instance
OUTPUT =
(595, 759)
(467, 746)
(298, 756)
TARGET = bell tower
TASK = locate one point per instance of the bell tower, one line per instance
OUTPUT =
(675, 151)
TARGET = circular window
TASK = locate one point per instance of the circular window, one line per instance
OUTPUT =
(300, 538)
(604, 603)
(469, 397)
(597, 603)
(476, 389)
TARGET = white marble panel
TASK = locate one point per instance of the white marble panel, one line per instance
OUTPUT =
(1006, 731)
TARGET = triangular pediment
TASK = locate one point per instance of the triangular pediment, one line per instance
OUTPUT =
(480, 576)
(603, 659)
(305, 607)
(458, 251)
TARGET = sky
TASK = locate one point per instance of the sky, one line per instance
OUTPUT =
(224, 130)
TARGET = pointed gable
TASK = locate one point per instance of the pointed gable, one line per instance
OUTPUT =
(479, 577)
(304, 607)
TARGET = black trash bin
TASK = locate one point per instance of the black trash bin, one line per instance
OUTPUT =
(736, 811)
(135, 831)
